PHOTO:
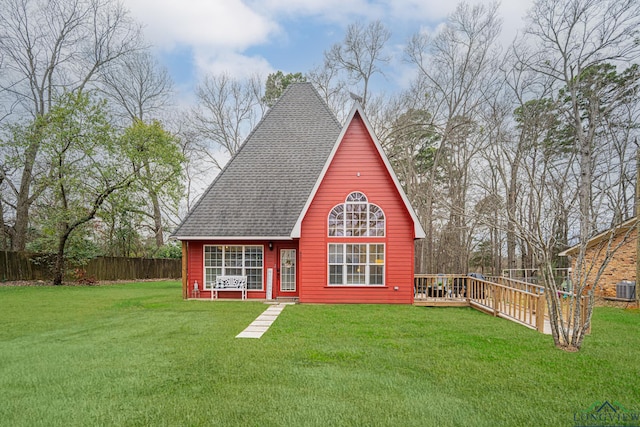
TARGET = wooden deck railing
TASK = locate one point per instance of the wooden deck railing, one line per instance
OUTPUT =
(515, 300)
(516, 284)
(441, 286)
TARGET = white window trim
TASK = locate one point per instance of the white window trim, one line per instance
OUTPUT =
(204, 265)
(367, 265)
(344, 217)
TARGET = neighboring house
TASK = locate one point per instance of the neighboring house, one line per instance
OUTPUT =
(306, 209)
(622, 265)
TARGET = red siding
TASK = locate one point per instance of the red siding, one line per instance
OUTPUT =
(195, 267)
(357, 166)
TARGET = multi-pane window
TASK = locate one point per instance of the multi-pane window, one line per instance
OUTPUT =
(234, 261)
(359, 263)
(356, 264)
(356, 217)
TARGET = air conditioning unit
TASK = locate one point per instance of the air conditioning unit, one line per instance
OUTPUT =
(626, 290)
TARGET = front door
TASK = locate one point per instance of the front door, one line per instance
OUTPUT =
(287, 273)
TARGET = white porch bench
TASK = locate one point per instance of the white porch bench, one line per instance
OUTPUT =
(229, 283)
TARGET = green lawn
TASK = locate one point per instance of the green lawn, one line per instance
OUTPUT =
(137, 354)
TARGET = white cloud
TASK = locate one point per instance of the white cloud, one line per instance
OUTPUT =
(218, 33)
(340, 11)
(232, 63)
(215, 24)
(435, 12)
(412, 10)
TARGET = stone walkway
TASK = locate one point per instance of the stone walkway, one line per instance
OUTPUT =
(259, 326)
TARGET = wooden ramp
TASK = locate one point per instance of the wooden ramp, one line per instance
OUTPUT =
(520, 302)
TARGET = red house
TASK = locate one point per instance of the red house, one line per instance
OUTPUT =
(307, 209)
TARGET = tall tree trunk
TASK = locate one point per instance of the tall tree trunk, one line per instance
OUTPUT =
(157, 219)
(24, 199)
(512, 213)
(637, 213)
(155, 201)
(58, 268)
(428, 246)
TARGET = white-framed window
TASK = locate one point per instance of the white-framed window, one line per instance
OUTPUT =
(356, 217)
(356, 264)
(228, 260)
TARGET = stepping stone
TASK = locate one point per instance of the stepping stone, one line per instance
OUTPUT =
(247, 334)
(261, 322)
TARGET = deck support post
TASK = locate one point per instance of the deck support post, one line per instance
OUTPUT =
(540, 311)
(468, 289)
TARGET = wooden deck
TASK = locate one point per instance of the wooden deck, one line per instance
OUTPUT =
(520, 302)
(440, 302)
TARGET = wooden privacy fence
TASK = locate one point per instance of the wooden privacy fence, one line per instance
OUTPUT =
(117, 268)
(519, 301)
(29, 266)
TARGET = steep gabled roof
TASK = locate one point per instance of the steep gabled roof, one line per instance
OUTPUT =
(357, 109)
(264, 187)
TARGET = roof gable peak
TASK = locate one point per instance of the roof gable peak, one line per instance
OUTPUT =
(358, 110)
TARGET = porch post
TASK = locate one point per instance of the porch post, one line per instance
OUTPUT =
(185, 259)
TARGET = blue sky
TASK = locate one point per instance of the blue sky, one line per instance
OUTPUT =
(193, 38)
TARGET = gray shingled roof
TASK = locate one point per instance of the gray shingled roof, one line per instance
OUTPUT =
(264, 187)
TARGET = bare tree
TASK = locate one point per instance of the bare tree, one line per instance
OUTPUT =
(138, 85)
(361, 54)
(622, 131)
(332, 88)
(195, 171)
(457, 69)
(141, 89)
(410, 140)
(227, 110)
(50, 48)
(491, 170)
(569, 40)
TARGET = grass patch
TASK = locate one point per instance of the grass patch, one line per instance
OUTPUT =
(136, 354)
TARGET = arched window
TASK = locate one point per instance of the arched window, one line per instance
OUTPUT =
(356, 217)
(358, 263)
